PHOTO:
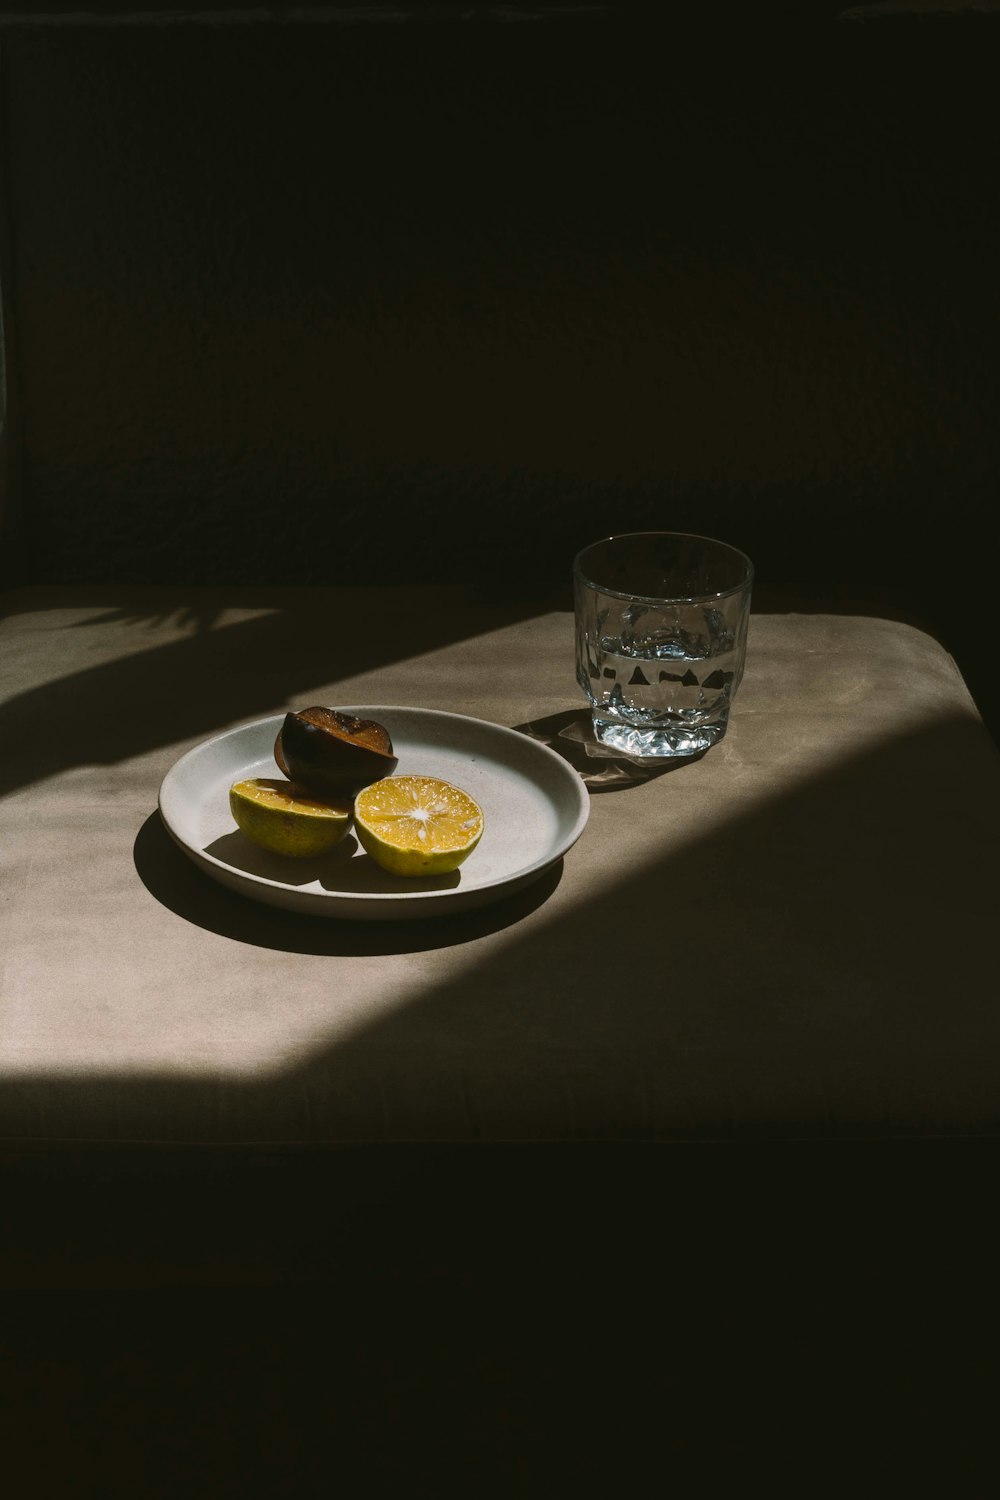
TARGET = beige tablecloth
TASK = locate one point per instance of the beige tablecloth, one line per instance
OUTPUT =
(793, 936)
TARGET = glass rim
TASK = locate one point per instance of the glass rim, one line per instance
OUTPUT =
(687, 536)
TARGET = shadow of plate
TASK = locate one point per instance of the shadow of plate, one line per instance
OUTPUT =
(177, 884)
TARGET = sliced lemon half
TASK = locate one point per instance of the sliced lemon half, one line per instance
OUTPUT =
(417, 825)
(285, 818)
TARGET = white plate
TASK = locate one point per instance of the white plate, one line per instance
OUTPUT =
(535, 808)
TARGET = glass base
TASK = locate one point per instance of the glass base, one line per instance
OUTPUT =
(657, 741)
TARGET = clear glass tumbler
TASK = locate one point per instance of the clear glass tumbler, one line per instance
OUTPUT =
(661, 631)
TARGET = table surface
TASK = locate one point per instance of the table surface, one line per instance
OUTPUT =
(791, 937)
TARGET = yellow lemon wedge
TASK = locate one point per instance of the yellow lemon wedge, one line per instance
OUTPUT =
(285, 818)
(417, 825)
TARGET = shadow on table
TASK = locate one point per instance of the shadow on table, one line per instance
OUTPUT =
(820, 966)
(791, 995)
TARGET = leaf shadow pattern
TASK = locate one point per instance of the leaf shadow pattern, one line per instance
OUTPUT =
(198, 616)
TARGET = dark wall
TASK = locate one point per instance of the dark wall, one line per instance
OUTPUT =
(293, 302)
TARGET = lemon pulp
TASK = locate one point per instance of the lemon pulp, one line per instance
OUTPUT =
(286, 819)
(417, 825)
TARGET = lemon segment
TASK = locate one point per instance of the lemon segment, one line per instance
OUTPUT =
(286, 819)
(417, 825)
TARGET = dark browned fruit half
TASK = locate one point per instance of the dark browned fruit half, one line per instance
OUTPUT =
(332, 752)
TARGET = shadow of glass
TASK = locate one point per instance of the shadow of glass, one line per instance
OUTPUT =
(177, 884)
(571, 735)
(216, 676)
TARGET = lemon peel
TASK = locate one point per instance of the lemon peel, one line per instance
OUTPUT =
(286, 819)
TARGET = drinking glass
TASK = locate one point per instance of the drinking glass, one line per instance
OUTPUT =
(661, 630)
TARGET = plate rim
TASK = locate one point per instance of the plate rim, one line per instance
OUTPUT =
(318, 899)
